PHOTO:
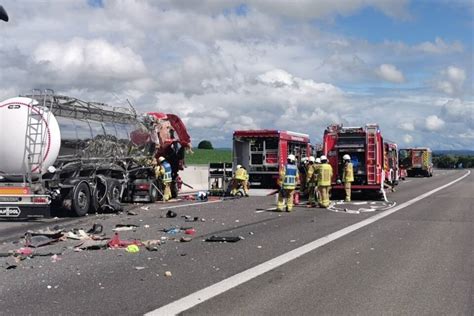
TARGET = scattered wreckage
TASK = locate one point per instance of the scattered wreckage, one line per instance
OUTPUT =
(82, 156)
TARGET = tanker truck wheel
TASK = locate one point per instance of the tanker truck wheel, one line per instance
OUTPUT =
(81, 199)
(114, 192)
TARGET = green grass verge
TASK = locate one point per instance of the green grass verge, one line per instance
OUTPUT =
(205, 156)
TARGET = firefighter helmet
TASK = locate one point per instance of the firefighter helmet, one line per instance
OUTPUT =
(318, 160)
(346, 157)
(312, 159)
(161, 159)
(324, 158)
(238, 167)
(291, 158)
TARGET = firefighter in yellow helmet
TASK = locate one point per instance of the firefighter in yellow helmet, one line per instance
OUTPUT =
(347, 176)
(312, 181)
(287, 181)
(324, 182)
(240, 179)
(163, 172)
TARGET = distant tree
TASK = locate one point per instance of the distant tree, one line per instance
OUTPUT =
(205, 144)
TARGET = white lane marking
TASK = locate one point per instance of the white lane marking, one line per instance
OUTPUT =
(190, 204)
(266, 210)
(209, 292)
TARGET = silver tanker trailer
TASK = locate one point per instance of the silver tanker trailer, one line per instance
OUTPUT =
(81, 156)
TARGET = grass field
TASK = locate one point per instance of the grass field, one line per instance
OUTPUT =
(205, 156)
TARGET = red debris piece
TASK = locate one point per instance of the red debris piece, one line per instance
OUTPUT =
(116, 242)
(190, 231)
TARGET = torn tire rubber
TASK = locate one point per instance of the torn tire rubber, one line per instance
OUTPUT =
(81, 199)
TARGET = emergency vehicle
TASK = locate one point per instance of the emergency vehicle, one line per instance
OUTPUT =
(365, 146)
(391, 166)
(416, 161)
(262, 152)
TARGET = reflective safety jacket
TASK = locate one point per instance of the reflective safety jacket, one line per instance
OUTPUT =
(289, 176)
(241, 174)
(325, 174)
(312, 174)
(164, 172)
(348, 174)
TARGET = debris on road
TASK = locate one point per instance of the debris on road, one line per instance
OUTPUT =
(223, 239)
(171, 214)
(168, 274)
(190, 231)
(124, 227)
(92, 245)
(132, 249)
(38, 240)
(152, 245)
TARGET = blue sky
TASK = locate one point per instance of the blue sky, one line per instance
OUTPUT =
(226, 65)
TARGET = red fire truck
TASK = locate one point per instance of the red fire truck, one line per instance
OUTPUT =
(365, 146)
(262, 152)
(391, 167)
(416, 161)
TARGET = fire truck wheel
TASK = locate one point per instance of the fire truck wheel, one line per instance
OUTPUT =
(81, 199)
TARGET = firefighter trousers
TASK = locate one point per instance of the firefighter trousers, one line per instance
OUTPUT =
(167, 191)
(324, 196)
(312, 193)
(287, 194)
(347, 188)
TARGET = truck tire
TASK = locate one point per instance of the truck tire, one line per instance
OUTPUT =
(154, 194)
(114, 192)
(81, 199)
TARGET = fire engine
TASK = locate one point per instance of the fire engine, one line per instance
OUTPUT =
(391, 166)
(416, 161)
(365, 146)
(262, 152)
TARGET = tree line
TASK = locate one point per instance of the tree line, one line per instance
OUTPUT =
(453, 161)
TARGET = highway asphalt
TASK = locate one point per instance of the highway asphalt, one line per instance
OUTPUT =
(418, 260)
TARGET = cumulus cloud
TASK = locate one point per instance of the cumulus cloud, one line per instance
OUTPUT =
(390, 73)
(407, 126)
(439, 46)
(407, 139)
(433, 123)
(263, 64)
(90, 58)
(452, 80)
(457, 110)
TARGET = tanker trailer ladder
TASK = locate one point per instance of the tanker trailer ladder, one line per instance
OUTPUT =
(37, 134)
(371, 154)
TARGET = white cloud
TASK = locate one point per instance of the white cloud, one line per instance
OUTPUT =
(407, 126)
(439, 46)
(407, 139)
(390, 73)
(456, 110)
(96, 58)
(434, 123)
(452, 80)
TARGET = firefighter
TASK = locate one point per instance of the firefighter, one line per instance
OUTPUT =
(163, 172)
(287, 181)
(347, 176)
(324, 182)
(240, 179)
(303, 169)
(311, 181)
